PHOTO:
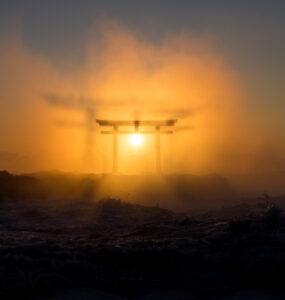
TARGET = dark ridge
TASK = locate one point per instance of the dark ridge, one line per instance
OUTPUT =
(173, 191)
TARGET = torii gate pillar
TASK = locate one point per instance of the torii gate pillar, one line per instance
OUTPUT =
(157, 149)
(115, 149)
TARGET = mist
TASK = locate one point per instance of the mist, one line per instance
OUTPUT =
(48, 111)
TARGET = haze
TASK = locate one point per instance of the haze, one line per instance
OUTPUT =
(217, 68)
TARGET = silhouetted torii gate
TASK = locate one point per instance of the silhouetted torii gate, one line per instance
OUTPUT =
(136, 123)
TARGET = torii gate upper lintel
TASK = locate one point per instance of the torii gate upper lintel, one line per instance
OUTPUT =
(136, 123)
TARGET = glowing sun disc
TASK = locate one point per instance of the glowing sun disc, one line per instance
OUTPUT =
(136, 139)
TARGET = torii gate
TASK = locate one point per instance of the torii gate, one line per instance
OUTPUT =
(136, 123)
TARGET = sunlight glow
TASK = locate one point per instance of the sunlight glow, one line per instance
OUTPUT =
(136, 139)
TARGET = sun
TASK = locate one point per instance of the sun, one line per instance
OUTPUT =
(136, 139)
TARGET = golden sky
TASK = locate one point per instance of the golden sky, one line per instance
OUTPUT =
(46, 109)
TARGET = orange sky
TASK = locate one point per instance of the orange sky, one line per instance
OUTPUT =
(125, 77)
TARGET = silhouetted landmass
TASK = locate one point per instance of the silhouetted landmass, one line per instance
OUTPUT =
(179, 192)
(19, 187)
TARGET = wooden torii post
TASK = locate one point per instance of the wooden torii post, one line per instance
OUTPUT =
(136, 123)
